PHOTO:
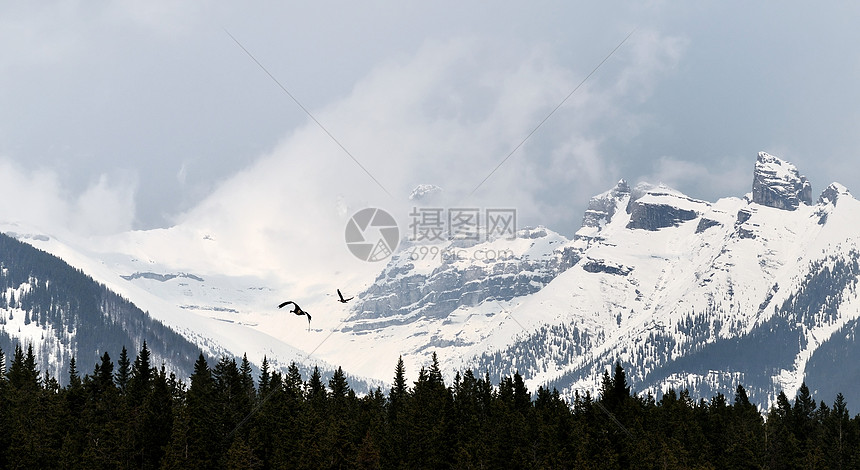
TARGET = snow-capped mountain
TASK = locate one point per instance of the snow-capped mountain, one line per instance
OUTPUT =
(683, 292)
(758, 290)
(59, 313)
(218, 315)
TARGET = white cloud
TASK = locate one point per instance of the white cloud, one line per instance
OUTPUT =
(159, 83)
(649, 57)
(730, 176)
(448, 115)
(38, 199)
(105, 207)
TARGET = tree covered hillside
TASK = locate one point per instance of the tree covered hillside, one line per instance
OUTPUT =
(130, 414)
(64, 313)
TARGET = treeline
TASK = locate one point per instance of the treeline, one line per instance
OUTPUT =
(134, 415)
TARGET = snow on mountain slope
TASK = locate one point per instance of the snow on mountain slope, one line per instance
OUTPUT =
(683, 292)
(447, 298)
(222, 314)
(725, 277)
(654, 279)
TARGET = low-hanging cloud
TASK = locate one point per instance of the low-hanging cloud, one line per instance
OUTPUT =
(447, 116)
(37, 199)
(731, 176)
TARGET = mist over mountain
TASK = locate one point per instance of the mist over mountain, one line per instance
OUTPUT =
(758, 290)
(63, 313)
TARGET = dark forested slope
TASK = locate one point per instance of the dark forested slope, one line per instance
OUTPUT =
(62, 313)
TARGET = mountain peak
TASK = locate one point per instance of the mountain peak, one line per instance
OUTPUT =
(602, 207)
(424, 191)
(777, 183)
(655, 207)
(621, 187)
(832, 193)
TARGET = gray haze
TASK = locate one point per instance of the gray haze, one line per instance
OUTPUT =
(118, 117)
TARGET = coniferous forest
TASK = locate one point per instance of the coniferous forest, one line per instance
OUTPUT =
(130, 414)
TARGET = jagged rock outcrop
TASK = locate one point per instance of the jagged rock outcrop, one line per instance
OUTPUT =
(678, 290)
(502, 275)
(602, 266)
(656, 216)
(422, 192)
(706, 223)
(160, 277)
(661, 207)
(831, 193)
(601, 208)
(777, 183)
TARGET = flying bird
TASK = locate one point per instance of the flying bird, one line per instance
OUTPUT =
(297, 310)
(342, 300)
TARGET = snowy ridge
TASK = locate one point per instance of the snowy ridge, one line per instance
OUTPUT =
(215, 312)
(778, 184)
(658, 281)
(683, 292)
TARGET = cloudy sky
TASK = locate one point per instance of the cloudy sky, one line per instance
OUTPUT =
(146, 114)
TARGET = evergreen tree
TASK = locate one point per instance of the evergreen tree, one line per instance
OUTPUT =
(241, 456)
(399, 389)
(231, 398)
(746, 433)
(142, 374)
(102, 419)
(293, 382)
(522, 397)
(246, 379)
(33, 442)
(783, 448)
(368, 455)
(157, 422)
(103, 375)
(615, 391)
(204, 437)
(804, 426)
(265, 378)
(75, 402)
(338, 386)
(287, 410)
(315, 390)
(838, 440)
(90, 423)
(429, 418)
(340, 441)
(394, 451)
(123, 373)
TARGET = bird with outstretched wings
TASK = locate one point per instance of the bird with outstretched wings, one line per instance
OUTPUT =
(341, 299)
(297, 310)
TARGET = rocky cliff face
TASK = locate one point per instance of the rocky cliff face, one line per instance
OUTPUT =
(831, 194)
(656, 216)
(777, 183)
(601, 208)
(661, 207)
(684, 292)
(762, 293)
(424, 282)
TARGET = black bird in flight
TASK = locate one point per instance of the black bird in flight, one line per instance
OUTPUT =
(342, 300)
(297, 310)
